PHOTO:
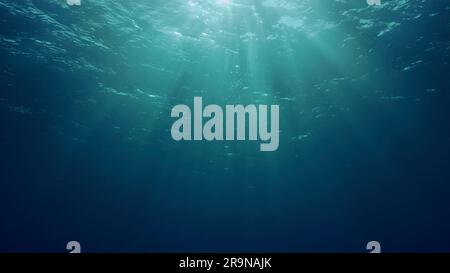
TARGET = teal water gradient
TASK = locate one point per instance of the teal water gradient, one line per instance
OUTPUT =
(86, 152)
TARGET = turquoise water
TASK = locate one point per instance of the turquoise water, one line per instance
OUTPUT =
(87, 153)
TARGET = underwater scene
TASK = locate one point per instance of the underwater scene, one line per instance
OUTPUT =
(118, 131)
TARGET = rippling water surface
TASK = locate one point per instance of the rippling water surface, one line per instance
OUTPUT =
(86, 152)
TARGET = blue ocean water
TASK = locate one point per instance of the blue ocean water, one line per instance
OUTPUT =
(87, 155)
